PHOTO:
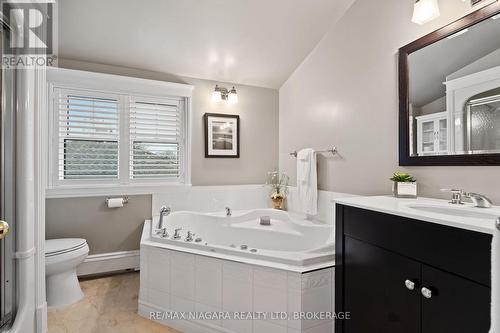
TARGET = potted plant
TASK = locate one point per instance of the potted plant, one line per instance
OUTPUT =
(279, 188)
(404, 185)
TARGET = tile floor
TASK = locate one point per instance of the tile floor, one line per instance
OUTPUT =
(109, 306)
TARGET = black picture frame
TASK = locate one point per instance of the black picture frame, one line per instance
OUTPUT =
(405, 159)
(234, 152)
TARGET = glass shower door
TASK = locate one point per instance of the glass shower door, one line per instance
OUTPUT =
(7, 192)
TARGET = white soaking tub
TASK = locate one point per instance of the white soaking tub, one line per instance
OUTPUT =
(214, 285)
(288, 239)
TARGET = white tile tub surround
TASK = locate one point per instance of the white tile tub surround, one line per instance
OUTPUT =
(176, 281)
(205, 199)
(326, 206)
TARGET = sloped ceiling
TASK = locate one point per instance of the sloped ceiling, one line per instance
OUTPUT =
(254, 42)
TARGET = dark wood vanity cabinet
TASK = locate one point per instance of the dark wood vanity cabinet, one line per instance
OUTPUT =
(384, 261)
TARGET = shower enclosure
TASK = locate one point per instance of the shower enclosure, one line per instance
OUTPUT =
(483, 125)
(7, 191)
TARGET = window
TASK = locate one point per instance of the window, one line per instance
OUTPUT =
(110, 139)
(88, 137)
(156, 139)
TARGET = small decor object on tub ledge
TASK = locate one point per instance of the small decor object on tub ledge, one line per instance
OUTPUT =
(404, 185)
(279, 187)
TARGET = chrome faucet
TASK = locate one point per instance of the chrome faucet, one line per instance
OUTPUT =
(456, 196)
(228, 212)
(164, 212)
(176, 233)
(478, 200)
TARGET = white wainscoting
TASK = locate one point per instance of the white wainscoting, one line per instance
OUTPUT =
(109, 262)
(237, 197)
(212, 198)
(176, 281)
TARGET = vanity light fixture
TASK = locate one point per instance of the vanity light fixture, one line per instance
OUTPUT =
(221, 93)
(425, 11)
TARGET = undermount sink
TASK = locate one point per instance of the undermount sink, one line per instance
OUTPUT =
(477, 213)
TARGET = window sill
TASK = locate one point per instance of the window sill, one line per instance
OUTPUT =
(100, 190)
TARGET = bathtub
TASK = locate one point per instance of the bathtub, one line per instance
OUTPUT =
(288, 240)
(286, 267)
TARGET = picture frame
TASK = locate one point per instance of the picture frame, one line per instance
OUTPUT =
(222, 135)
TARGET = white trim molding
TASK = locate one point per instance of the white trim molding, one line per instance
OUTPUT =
(109, 262)
(124, 90)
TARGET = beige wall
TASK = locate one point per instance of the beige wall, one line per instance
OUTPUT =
(106, 230)
(346, 94)
(119, 229)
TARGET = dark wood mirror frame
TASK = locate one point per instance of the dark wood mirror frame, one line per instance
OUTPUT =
(404, 143)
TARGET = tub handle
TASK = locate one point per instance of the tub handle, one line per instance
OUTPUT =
(176, 233)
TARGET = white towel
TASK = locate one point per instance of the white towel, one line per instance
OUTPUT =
(307, 181)
(495, 282)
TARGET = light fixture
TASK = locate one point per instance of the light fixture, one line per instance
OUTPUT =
(221, 93)
(425, 11)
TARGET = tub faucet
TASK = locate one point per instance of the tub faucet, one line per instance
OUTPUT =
(228, 212)
(164, 212)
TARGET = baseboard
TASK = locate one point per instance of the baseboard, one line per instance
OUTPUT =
(41, 318)
(109, 262)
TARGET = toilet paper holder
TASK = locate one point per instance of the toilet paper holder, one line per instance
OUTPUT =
(124, 200)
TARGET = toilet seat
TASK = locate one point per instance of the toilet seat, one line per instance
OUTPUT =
(54, 247)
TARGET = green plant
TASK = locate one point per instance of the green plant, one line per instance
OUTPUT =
(402, 177)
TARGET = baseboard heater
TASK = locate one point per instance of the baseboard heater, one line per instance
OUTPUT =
(109, 262)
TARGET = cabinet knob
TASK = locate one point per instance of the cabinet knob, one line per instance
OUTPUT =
(410, 285)
(426, 292)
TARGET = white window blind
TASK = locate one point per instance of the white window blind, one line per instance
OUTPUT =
(88, 135)
(156, 139)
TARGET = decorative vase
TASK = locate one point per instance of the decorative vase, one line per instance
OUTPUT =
(404, 189)
(278, 203)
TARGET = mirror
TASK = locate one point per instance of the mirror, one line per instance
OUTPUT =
(450, 94)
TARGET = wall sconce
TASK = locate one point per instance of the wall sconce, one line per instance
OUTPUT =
(221, 93)
(425, 11)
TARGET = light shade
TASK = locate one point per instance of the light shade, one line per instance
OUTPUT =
(425, 11)
(232, 97)
(216, 95)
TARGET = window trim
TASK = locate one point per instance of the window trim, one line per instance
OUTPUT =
(126, 89)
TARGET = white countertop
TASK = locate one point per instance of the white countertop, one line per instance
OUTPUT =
(403, 207)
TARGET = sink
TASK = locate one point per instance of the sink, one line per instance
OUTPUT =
(477, 213)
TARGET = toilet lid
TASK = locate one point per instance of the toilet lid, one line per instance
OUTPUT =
(64, 245)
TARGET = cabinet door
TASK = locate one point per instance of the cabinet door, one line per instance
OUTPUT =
(442, 136)
(456, 305)
(428, 135)
(375, 292)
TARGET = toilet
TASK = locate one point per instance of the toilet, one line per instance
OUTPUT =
(62, 256)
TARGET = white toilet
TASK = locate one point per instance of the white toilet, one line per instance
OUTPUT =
(61, 258)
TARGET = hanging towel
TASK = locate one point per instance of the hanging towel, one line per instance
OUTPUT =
(495, 281)
(307, 181)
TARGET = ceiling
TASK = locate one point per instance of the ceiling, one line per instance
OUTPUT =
(254, 42)
(430, 66)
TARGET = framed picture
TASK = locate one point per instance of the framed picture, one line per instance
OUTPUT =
(222, 135)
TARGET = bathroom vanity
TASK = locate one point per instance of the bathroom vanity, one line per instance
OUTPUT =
(413, 266)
